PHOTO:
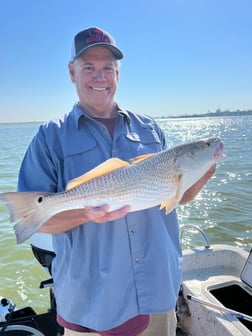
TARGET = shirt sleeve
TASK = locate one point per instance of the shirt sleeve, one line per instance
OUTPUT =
(37, 171)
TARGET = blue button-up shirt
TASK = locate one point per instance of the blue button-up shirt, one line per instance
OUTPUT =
(105, 274)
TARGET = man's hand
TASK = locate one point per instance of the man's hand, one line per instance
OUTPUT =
(70, 219)
(103, 215)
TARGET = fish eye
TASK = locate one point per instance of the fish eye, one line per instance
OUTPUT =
(40, 199)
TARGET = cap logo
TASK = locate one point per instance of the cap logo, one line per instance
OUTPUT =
(96, 36)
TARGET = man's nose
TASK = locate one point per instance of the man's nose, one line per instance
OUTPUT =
(99, 74)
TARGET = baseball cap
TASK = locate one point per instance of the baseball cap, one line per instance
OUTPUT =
(91, 37)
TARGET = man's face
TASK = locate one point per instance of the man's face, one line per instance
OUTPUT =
(95, 75)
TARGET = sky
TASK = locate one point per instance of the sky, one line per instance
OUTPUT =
(181, 57)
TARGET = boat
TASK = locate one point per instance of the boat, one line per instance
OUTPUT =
(215, 296)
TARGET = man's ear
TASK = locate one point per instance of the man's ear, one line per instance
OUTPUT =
(71, 71)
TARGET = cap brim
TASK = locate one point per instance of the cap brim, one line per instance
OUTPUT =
(115, 51)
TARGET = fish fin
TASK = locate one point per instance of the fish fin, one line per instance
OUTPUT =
(104, 168)
(170, 204)
(25, 212)
(140, 158)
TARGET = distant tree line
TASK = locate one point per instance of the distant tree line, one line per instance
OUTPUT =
(217, 113)
(238, 112)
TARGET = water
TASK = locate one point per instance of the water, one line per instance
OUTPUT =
(222, 209)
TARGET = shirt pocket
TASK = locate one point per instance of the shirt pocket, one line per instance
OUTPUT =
(143, 142)
(80, 158)
(144, 132)
(145, 137)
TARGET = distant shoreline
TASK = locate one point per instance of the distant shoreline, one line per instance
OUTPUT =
(218, 113)
(21, 122)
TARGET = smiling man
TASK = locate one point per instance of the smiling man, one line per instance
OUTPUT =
(95, 74)
(114, 271)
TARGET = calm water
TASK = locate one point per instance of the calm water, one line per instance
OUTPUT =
(223, 208)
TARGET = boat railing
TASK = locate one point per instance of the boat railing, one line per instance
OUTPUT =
(193, 227)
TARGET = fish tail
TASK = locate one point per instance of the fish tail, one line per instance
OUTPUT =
(25, 212)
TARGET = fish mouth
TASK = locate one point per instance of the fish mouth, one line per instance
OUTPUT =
(218, 153)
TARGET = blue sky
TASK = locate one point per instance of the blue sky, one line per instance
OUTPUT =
(181, 56)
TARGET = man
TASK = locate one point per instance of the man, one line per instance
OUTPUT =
(108, 278)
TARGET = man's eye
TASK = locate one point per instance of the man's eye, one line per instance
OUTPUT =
(109, 69)
(88, 69)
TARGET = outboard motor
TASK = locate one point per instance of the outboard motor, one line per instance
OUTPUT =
(42, 248)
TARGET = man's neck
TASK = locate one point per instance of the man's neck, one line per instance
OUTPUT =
(104, 112)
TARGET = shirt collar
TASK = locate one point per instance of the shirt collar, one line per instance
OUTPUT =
(80, 114)
(124, 113)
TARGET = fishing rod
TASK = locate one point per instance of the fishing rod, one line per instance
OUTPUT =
(221, 308)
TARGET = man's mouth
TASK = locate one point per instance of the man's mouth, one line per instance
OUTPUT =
(98, 89)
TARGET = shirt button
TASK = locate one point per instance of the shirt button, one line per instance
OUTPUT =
(137, 260)
(132, 230)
